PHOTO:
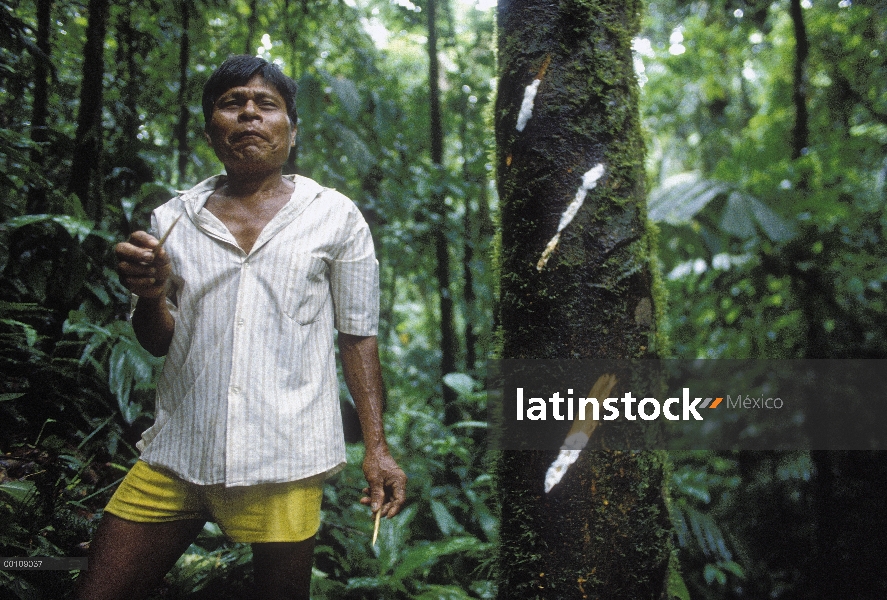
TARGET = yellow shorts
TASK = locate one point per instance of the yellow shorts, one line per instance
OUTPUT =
(269, 512)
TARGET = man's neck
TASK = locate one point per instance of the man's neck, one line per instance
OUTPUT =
(254, 186)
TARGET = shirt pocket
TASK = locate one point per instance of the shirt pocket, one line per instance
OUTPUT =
(307, 288)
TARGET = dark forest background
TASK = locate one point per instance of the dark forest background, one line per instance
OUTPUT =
(766, 134)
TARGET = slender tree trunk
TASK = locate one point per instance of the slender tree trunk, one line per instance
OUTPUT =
(801, 130)
(291, 27)
(37, 200)
(184, 150)
(469, 296)
(132, 170)
(603, 532)
(439, 210)
(249, 48)
(86, 168)
(476, 187)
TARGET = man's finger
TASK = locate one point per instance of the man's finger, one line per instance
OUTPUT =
(377, 493)
(127, 252)
(143, 239)
(399, 495)
(141, 282)
(136, 269)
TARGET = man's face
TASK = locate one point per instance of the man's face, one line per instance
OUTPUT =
(250, 130)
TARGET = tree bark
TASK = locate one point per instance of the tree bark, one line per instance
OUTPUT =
(184, 151)
(475, 186)
(440, 213)
(603, 532)
(468, 294)
(132, 170)
(86, 168)
(801, 129)
(37, 196)
(251, 27)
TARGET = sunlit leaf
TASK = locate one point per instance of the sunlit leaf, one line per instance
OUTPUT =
(461, 383)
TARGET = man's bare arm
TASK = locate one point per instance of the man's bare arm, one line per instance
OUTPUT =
(144, 269)
(363, 375)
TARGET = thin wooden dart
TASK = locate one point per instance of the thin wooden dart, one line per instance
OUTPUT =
(166, 235)
(376, 526)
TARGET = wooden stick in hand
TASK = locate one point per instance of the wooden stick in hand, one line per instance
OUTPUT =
(376, 526)
(166, 235)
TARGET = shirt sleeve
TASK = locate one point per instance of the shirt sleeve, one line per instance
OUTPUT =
(354, 282)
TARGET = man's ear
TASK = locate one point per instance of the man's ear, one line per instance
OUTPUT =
(293, 137)
(208, 139)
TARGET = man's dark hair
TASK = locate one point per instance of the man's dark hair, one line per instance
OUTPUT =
(237, 71)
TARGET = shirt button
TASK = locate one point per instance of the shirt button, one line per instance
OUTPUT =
(235, 390)
(246, 265)
(240, 322)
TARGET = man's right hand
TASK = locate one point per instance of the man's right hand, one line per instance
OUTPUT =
(143, 267)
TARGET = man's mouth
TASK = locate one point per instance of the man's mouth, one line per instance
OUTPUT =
(246, 135)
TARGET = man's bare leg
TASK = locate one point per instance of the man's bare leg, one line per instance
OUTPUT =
(129, 559)
(283, 569)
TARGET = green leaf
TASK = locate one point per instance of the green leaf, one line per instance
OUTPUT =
(712, 573)
(460, 383)
(734, 568)
(355, 148)
(20, 490)
(744, 215)
(77, 228)
(364, 583)
(346, 91)
(446, 521)
(774, 227)
(123, 369)
(676, 588)
(682, 197)
(420, 556)
(30, 332)
(11, 396)
(24, 590)
(442, 592)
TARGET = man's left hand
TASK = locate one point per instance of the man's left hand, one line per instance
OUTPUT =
(388, 483)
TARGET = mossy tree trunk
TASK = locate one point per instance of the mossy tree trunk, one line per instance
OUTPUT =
(603, 532)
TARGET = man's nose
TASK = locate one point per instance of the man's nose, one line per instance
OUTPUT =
(249, 111)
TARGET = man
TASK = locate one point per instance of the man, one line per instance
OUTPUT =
(242, 295)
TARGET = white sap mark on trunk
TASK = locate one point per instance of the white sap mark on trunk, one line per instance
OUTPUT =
(589, 182)
(579, 434)
(573, 445)
(526, 107)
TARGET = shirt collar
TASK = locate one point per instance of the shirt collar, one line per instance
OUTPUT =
(304, 193)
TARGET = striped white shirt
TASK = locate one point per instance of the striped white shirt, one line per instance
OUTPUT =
(249, 392)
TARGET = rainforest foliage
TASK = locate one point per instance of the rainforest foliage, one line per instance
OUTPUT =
(766, 135)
